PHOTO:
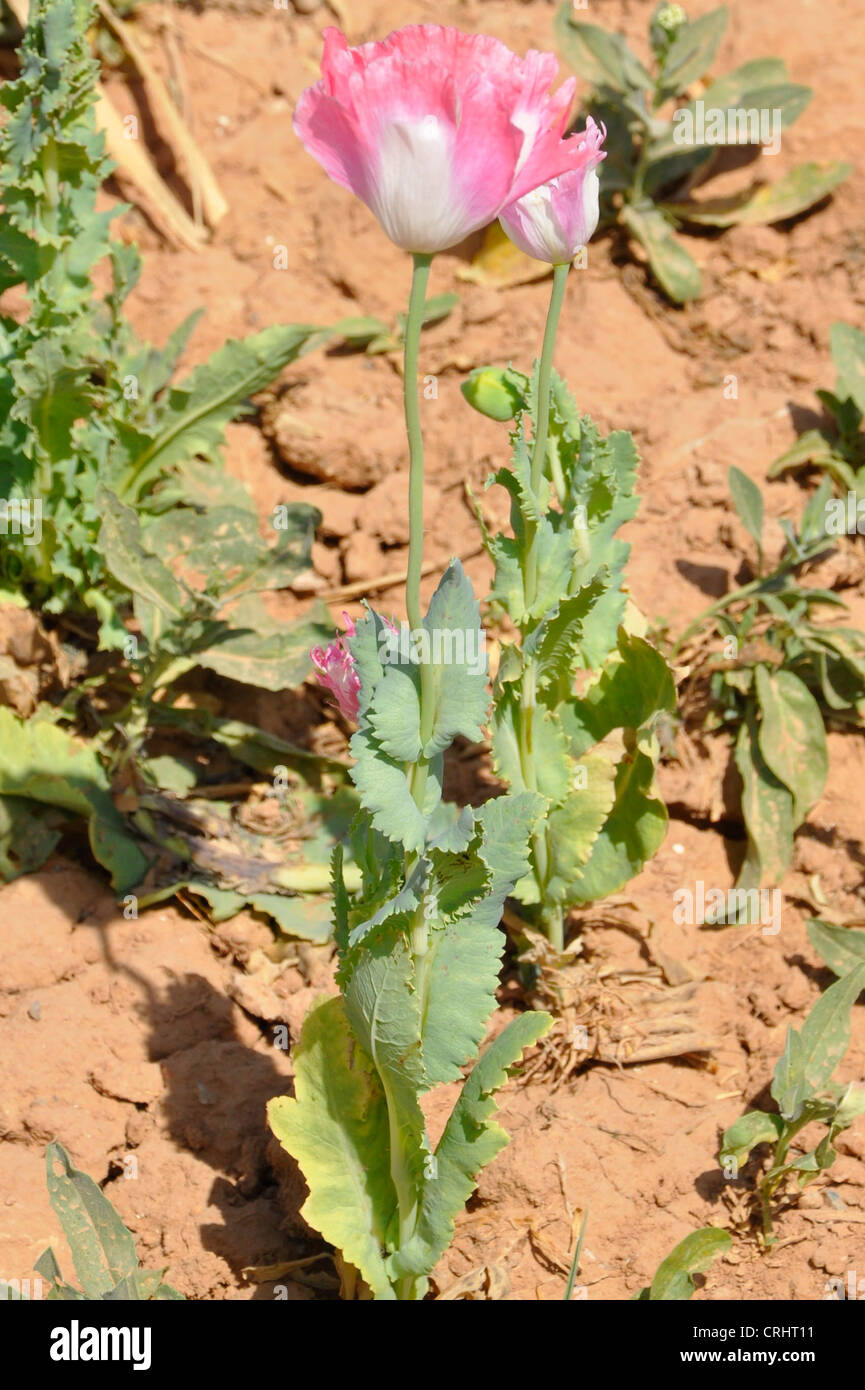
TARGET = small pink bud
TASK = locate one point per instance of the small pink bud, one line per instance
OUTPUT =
(337, 672)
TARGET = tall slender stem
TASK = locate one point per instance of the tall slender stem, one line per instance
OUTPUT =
(414, 323)
(420, 276)
(542, 422)
(528, 693)
(418, 772)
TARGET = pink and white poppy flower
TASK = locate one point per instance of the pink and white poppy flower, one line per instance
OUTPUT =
(436, 130)
(552, 222)
(556, 218)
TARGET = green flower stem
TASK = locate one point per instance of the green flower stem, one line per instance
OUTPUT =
(417, 773)
(528, 695)
(542, 422)
(420, 276)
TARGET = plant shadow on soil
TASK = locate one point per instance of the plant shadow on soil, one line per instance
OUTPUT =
(219, 1066)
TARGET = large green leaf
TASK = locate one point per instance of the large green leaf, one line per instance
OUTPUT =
(842, 948)
(103, 1250)
(383, 1009)
(797, 191)
(137, 569)
(693, 1255)
(336, 1128)
(632, 833)
(792, 737)
(690, 54)
(464, 954)
(549, 747)
(602, 58)
(573, 828)
(636, 685)
(675, 270)
(258, 650)
(767, 808)
(471, 1139)
(808, 1062)
(222, 543)
(848, 354)
(193, 415)
(44, 763)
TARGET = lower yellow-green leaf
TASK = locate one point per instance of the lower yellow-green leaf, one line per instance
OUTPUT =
(500, 263)
(792, 737)
(767, 808)
(675, 270)
(44, 763)
(693, 1255)
(337, 1130)
(574, 826)
(799, 190)
(632, 833)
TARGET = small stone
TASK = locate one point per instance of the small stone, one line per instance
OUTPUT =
(811, 1199)
(830, 1255)
(362, 558)
(34, 1010)
(384, 511)
(795, 992)
(338, 513)
(326, 561)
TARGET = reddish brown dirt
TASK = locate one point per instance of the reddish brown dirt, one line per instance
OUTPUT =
(153, 1039)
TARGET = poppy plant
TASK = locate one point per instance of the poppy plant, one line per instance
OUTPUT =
(438, 132)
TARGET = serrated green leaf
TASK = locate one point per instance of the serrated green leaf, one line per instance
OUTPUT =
(631, 835)
(555, 643)
(549, 748)
(461, 694)
(573, 828)
(193, 415)
(394, 713)
(337, 1130)
(471, 1139)
(464, 956)
(384, 791)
